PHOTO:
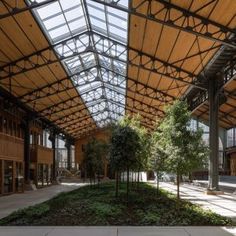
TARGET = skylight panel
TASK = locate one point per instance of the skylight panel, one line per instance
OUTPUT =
(62, 19)
(89, 58)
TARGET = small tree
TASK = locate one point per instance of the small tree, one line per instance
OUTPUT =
(94, 157)
(143, 152)
(124, 148)
(184, 148)
(157, 160)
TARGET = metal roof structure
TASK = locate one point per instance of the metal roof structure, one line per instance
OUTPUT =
(82, 64)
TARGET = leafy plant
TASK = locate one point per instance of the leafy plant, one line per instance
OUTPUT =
(124, 148)
(94, 158)
(182, 148)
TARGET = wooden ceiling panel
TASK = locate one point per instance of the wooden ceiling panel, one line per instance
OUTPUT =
(8, 48)
(32, 30)
(16, 36)
(151, 38)
(137, 28)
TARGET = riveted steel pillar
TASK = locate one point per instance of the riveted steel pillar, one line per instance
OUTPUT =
(68, 146)
(213, 91)
(26, 127)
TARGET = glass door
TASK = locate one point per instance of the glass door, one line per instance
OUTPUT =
(8, 176)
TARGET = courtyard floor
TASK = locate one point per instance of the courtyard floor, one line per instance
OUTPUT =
(221, 204)
(117, 231)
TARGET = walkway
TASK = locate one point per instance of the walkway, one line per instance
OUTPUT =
(117, 231)
(14, 202)
(222, 204)
(228, 186)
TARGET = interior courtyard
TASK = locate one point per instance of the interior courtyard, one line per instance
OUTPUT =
(71, 71)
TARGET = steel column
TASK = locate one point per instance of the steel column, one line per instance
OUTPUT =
(68, 146)
(52, 138)
(213, 91)
(27, 150)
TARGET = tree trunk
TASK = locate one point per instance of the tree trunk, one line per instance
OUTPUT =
(127, 191)
(157, 178)
(178, 194)
(132, 178)
(117, 183)
(138, 180)
(190, 177)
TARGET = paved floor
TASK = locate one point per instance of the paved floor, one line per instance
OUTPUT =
(228, 187)
(222, 204)
(13, 202)
(117, 231)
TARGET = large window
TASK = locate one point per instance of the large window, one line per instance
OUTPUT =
(231, 138)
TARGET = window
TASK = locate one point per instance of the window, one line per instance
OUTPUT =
(230, 137)
(95, 61)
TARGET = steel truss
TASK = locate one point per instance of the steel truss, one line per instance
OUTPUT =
(229, 73)
(59, 86)
(194, 23)
(138, 106)
(46, 57)
(33, 115)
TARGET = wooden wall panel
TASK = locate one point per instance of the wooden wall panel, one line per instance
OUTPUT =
(233, 164)
(11, 148)
(103, 135)
(44, 154)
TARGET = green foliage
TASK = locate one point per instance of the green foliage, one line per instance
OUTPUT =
(124, 146)
(27, 215)
(130, 145)
(94, 157)
(183, 148)
(97, 206)
(102, 209)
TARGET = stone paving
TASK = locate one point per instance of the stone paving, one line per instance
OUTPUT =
(117, 231)
(221, 204)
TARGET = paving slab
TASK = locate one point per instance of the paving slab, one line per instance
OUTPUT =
(83, 231)
(210, 231)
(152, 231)
(25, 231)
(224, 205)
(117, 231)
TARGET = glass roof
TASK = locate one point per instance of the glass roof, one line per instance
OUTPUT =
(97, 67)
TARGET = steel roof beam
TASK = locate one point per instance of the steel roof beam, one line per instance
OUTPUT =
(186, 15)
(144, 107)
(158, 66)
(15, 9)
(36, 94)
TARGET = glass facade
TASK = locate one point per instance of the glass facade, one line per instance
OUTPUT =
(61, 154)
(194, 125)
